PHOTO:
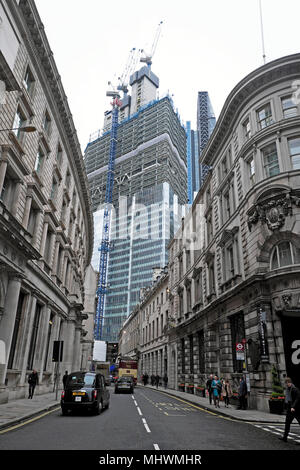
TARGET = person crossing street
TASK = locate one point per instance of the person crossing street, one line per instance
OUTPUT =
(292, 401)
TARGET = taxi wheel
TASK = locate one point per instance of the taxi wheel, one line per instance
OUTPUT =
(99, 408)
(64, 411)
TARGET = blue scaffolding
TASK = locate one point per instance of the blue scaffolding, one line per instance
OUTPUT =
(105, 243)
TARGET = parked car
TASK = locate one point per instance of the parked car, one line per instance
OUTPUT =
(124, 384)
(85, 390)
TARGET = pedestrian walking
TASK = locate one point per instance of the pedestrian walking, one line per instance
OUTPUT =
(33, 380)
(165, 379)
(226, 392)
(292, 401)
(217, 388)
(145, 378)
(65, 378)
(152, 379)
(157, 379)
(209, 388)
(242, 394)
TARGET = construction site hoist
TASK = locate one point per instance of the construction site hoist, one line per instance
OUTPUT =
(105, 243)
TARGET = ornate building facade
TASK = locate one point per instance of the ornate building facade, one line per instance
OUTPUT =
(46, 225)
(234, 265)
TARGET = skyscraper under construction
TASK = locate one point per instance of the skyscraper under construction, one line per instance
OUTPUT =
(150, 189)
(206, 122)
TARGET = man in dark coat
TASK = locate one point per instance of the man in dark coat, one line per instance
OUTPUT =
(33, 380)
(65, 378)
(243, 394)
(292, 401)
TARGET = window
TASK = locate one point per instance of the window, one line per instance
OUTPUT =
(59, 155)
(20, 121)
(284, 254)
(247, 129)
(198, 287)
(34, 334)
(201, 351)
(39, 162)
(17, 325)
(251, 170)
(191, 354)
(294, 147)
(29, 82)
(209, 225)
(54, 191)
(183, 356)
(47, 123)
(237, 327)
(229, 261)
(32, 220)
(270, 160)
(289, 107)
(264, 116)
(180, 304)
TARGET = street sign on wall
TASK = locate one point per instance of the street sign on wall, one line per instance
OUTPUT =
(240, 351)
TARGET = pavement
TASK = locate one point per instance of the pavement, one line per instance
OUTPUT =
(18, 411)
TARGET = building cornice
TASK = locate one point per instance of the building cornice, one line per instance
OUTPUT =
(33, 34)
(264, 77)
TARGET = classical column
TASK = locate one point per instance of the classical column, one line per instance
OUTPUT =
(27, 334)
(16, 201)
(76, 352)
(27, 211)
(44, 238)
(9, 318)
(38, 222)
(41, 345)
(68, 337)
(55, 259)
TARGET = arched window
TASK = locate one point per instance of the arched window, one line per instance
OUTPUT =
(285, 254)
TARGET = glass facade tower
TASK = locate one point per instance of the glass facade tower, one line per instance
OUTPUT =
(149, 195)
(206, 122)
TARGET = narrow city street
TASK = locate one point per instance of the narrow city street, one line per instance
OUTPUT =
(148, 420)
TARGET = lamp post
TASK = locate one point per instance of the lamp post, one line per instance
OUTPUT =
(26, 129)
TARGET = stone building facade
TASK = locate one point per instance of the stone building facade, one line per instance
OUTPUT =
(234, 265)
(46, 225)
(144, 333)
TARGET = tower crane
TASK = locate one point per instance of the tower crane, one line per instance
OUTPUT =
(132, 61)
(148, 57)
(104, 248)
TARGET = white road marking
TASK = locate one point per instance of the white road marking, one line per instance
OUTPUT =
(156, 447)
(146, 425)
(139, 411)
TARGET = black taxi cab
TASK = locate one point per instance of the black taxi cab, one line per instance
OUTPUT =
(85, 390)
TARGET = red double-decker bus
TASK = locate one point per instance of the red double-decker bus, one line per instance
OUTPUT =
(128, 367)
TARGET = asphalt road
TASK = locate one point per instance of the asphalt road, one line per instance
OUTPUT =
(148, 420)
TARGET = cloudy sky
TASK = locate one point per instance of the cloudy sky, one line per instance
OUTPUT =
(205, 45)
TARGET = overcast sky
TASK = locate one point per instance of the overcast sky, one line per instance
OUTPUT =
(205, 45)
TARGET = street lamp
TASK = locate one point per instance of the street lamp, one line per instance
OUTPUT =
(26, 129)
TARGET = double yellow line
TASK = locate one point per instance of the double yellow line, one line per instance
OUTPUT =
(28, 421)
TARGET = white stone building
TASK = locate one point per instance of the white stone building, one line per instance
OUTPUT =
(46, 226)
(234, 277)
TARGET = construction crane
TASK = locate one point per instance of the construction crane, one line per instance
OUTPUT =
(133, 59)
(148, 57)
(104, 248)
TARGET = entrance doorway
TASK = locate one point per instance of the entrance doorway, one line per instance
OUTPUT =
(291, 341)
